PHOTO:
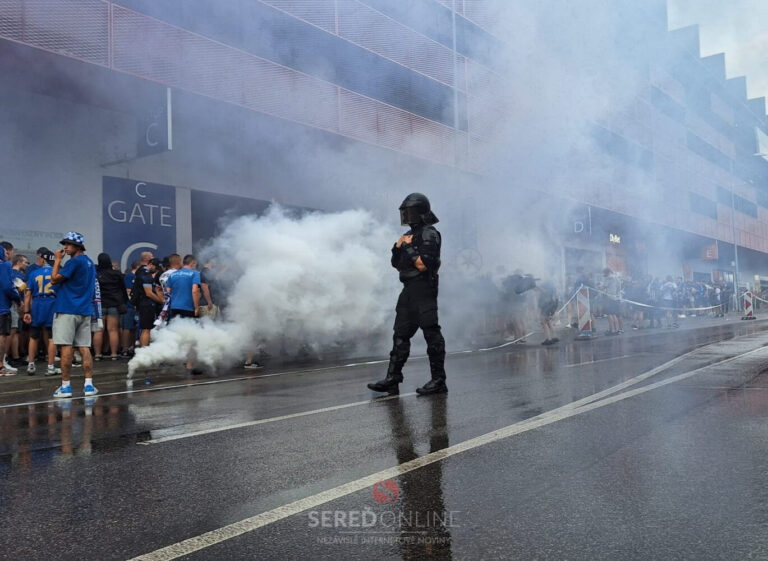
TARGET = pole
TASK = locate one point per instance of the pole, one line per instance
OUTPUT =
(456, 141)
(735, 241)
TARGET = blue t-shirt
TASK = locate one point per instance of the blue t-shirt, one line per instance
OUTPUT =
(181, 283)
(43, 296)
(75, 294)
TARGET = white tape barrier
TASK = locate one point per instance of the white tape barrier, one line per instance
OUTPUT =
(650, 306)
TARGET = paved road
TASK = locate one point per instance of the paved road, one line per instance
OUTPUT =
(648, 446)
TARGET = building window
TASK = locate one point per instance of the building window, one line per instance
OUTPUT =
(622, 149)
(702, 205)
(739, 203)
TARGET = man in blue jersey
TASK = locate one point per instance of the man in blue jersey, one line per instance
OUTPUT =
(13, 344)
(39, 301)
(128, 319)
(184, 286)
(76, 283)
(41, 252)
(8, 295)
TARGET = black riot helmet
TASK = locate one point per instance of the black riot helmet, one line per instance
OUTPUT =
(416, 210)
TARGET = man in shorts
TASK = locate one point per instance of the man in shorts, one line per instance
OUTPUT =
(39, 302)
(147, 295)
(76, 283)
(8, 295)
(14, 345)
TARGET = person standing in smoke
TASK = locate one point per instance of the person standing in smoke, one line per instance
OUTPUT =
(416, 256)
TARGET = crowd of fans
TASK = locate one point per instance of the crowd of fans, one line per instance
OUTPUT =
(653, 300)
(130, 303)
(525, 304)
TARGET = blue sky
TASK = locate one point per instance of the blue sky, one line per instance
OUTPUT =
(739, 28)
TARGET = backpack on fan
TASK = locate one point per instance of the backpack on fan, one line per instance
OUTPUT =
(137, 292)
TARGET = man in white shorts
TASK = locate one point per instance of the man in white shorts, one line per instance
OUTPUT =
(76, 282)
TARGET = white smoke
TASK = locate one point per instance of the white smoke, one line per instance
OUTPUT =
(318, 280)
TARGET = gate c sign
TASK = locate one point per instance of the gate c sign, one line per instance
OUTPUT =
(138, 216)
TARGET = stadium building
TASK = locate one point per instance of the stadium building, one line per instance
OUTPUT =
(143, 123)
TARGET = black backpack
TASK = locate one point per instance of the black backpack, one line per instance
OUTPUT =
(137, 291)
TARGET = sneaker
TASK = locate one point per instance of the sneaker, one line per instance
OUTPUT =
(90, 389)
(114, 357)
(63, 392)
(252, 366)
(31, 368)
(97, 358)
(10, 368)
(52, 370)
(4, 372)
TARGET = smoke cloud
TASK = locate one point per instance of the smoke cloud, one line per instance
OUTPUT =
(316, 280)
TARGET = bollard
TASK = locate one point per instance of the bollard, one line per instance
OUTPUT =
(749, 312)
(584, 314)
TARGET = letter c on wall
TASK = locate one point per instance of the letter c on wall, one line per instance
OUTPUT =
(130, 249)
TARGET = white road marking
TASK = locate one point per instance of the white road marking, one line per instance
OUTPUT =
(238, 379)
(197, 543)
(508, 343)
(269, 420)
(602, 360)
(587, 399)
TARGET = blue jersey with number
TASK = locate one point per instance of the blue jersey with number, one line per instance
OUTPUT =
(43, 296)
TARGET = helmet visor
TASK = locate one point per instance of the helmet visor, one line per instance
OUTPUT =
(410, 215)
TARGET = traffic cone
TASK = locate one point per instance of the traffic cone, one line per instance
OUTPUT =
(584, 314)
(749, 309)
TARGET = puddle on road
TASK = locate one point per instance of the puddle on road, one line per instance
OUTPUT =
(52, 432)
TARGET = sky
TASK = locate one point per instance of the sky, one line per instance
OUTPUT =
(739, 28)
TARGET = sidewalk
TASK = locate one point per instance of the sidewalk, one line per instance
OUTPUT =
(567, 334)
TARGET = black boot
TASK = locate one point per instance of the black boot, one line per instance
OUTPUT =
(435, 385)
(390, 384)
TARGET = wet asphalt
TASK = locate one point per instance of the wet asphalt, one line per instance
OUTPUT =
(671, 471)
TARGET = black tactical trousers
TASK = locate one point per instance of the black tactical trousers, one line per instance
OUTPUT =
(417, 308)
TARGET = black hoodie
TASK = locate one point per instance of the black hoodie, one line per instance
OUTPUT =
(112, 284)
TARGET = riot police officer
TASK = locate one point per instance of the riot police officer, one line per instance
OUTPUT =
(416, 256)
